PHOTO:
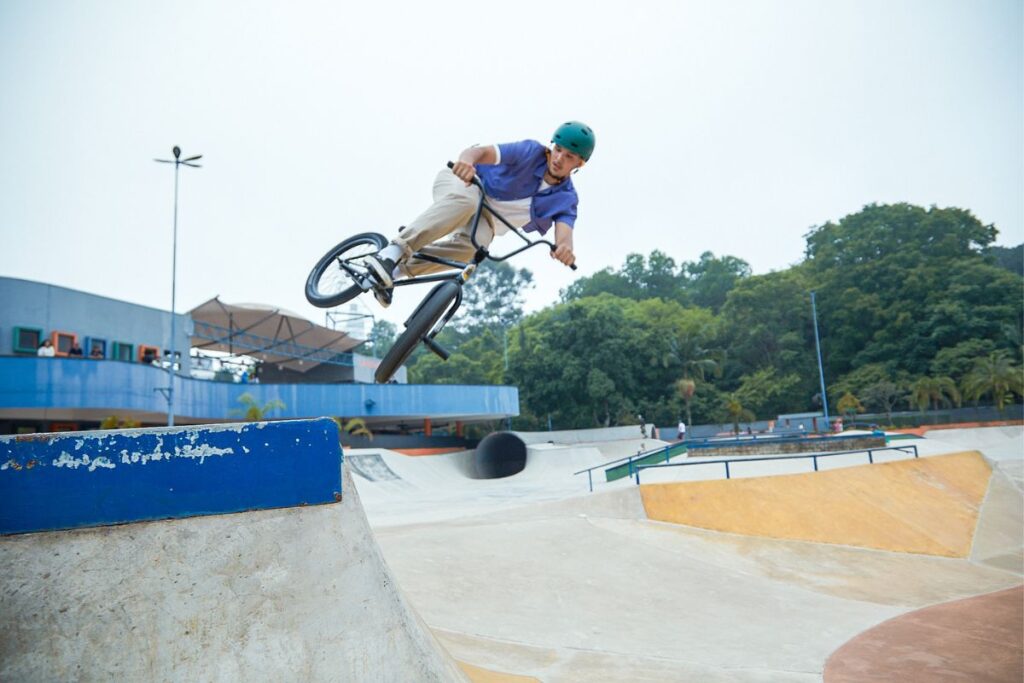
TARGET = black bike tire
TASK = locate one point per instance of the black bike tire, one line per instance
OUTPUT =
(314, 296)
(416, 327)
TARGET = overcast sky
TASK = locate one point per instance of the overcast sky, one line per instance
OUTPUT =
(732, 127)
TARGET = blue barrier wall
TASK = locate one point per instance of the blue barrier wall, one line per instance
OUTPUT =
(77, 479)
(115, 386)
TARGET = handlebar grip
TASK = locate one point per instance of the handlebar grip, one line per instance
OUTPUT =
(476, 178)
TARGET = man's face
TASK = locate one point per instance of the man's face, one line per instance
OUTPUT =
(562, 162)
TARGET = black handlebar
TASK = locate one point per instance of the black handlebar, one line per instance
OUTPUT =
(476, 181)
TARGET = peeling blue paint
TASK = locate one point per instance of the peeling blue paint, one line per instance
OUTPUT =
(78, 479)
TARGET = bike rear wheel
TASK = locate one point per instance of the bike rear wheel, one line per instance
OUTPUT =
(418, 326)
(341, 275)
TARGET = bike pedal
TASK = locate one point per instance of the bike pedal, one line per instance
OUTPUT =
(442, 352)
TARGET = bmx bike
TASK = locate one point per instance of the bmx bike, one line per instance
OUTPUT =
(342, 275)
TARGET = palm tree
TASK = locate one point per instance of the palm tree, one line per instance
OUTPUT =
(252, 411)
(934, 391)
(737, 413)
(686, 388)
(995, 374)
(697, 362)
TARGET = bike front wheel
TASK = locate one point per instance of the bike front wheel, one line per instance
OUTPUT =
(341, 275)
(418, 326)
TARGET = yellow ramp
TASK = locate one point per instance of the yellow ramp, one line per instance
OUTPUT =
(925, 505)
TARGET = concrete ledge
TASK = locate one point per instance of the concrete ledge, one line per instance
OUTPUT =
(80, 479)
(769, 447)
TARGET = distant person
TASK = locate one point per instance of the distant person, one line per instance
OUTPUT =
(681, 429)
(643, 427)
(96, 353)
(802, 428)
(148, 356)
(46, 349)
(75, 351)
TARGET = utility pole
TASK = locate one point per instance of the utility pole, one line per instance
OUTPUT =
(168, 391)
(821, 369)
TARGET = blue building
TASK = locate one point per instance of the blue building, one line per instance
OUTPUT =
(124, 369)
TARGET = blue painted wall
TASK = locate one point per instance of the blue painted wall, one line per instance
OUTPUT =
(24, 303)
(29, 382)
(78, 479)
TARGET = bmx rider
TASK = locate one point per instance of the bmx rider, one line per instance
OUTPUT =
(527, 182)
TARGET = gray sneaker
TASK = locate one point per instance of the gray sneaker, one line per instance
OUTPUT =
(380, 270)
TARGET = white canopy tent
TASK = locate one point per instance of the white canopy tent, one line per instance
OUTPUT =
(272, 335)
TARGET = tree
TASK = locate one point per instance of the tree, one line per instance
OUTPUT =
(252, 411)
(934, 391)
(849, 405)
(898, 283)
(686, 388)
(994, 375)
(884, 395)
(382, 336)
(765, 392)
(709, 280)
(494, 298)
(737, 413)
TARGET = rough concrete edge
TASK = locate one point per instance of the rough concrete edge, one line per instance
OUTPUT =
(429, 645)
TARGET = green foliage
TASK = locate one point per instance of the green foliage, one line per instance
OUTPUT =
(353, 427)
(118, 422)
(382, 336)
(849, 405)
(737, 412)
(908, 300)
(934, 392)
(252, 411)
(995, 375)
(898, 283)
(709, 280)
(766, 393)
(1010, 258)
(494, 297)
(956, 361)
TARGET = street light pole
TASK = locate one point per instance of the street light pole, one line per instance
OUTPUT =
(821, 370)
(168, 392)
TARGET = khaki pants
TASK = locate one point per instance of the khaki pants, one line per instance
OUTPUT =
(450, 214)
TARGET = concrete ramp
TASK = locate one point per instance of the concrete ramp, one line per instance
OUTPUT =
(926, 505)
(298, 592)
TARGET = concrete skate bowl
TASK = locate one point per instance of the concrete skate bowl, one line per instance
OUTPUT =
(499, 455)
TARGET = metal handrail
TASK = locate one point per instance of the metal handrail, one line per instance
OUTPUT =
(629, 459)
(813, 456)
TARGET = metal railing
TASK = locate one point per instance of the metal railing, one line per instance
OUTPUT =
(630, 459)
(814, 456)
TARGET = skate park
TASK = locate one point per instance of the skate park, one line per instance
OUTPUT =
(422, 570)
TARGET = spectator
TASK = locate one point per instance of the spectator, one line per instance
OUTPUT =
(96, 353)
(75, 351)
(149, 356)
(681, 429)
(46, 350)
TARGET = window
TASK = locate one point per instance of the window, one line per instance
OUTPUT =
(62, 342)
(148, 354)
(27, 339)
(95, 348)
(123, 352)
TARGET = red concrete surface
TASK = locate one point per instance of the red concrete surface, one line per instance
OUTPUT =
(976, 640)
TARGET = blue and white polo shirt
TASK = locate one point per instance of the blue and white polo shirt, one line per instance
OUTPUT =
(515, 185)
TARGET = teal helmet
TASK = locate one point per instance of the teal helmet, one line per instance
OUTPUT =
(575, 137)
